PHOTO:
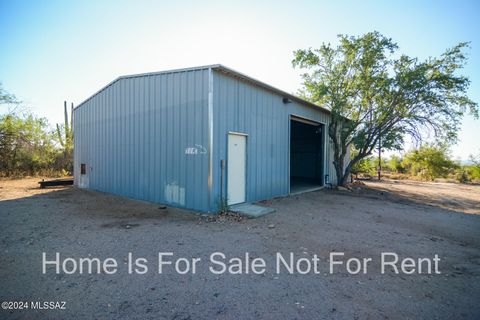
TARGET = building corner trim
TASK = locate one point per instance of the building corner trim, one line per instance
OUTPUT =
(210, 137)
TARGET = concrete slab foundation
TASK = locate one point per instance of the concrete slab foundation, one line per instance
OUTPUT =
(251, 210)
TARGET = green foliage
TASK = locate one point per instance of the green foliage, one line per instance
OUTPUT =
(475, 160)
(25, 145)
(429, 162)
(463, 175)
(394, 164)
(366, 166)
(376, 98)
(472, 171)
(64, 135)
(7, 98)
(222, 205)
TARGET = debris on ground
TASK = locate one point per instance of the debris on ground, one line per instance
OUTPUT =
(227, 216)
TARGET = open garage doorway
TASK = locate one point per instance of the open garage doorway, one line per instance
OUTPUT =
(306, 155)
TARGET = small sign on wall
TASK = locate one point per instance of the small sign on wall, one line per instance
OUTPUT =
(196, 150)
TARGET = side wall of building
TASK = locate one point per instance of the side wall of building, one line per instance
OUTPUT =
(145, 137)
(242, 107)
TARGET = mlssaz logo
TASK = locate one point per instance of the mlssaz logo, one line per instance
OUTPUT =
(48, 305)
(198, 149)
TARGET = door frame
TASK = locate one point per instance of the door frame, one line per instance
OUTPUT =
(296, 117)
(246, 163)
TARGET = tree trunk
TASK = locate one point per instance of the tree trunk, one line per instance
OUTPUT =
(342, 180)
(341, 171)
(339, 152)
(338, 164)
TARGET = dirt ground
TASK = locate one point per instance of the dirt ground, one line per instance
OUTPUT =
(456, 197)
(411, 219)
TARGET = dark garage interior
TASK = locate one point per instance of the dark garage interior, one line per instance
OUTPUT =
(306, 154)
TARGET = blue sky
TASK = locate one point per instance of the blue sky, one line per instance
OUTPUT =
(66, 50)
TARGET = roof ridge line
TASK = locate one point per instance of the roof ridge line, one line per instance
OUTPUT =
(210, 66)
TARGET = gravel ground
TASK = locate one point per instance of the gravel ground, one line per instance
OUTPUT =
(374, 219)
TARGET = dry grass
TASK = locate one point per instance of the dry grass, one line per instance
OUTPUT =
(452, 196)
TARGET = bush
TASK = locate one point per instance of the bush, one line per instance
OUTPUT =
(27, 147)
(366, 166)
(468, 174)
(463, 175)
(394, 164)
(429, 162)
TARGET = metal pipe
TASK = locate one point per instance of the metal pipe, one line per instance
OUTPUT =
(222, 174)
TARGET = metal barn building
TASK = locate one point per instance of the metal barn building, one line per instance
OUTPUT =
(192, 137)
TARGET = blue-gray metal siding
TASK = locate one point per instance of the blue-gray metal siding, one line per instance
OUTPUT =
(239, 106)
(133, 136)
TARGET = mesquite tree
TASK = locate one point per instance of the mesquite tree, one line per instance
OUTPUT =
(374, 94)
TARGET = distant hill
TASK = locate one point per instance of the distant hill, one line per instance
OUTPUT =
(464, 162)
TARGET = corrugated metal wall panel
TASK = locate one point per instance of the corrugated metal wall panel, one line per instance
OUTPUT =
(133, 137)
(134, 133)
(242, 107)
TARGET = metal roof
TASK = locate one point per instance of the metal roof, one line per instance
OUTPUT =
(218, 67)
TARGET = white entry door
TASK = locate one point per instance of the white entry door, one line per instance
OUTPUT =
(236, 171)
